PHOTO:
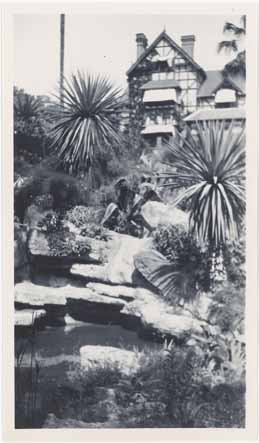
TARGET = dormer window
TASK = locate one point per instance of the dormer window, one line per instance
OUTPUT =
(160, 95)
(225, 98)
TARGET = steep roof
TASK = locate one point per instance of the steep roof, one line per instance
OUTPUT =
(217, 114)
(171, 43)
(214, 79)
(161, 84)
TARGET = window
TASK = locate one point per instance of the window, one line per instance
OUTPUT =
(170, 75)
(155, 76)
(159, 95)
(225, 96)
(162, 75)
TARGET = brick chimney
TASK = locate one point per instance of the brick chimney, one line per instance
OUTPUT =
(142, 42)
(188, 44)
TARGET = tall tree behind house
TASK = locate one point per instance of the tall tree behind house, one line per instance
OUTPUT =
(237, 66)
(62, 54)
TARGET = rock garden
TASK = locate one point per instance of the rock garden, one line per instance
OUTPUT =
(129, 294)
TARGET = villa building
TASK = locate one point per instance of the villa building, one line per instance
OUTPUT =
(167, 86)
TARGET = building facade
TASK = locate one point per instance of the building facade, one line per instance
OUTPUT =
(166, 86)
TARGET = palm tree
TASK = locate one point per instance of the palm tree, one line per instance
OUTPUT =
(210, 170)
(237, 66)
(85, 125)
(27, 106)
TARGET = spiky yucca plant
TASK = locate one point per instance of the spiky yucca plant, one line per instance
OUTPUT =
(210, 167)
(27, 106)
(86, 122)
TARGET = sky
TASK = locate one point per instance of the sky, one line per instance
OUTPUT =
(104, 44)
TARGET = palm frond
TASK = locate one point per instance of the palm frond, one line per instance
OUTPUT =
(210, 168)
(228, 46)
(236, 30)
(85, 123)
(27, 106)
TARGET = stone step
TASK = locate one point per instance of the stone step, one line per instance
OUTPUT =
(28, 317)
(82, 304)
(117, 291)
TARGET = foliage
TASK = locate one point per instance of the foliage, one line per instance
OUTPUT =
(192, 386)
(31, 123)
(65, 191)
(94, 230)
(228, 309)
(183, 268)
(193, 401)
(81, 216)
(210, 167)
(238, 65)
(66, 244)
(27, 379)
(234, 255)
(61, 241)
(51, 223)
(85, 124)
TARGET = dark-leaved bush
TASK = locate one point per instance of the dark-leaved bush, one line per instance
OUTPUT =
(188, 259)
(228, 309)
(234, 254)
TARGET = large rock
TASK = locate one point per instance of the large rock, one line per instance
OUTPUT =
(120, 269)
(80, 303)
(27, 294)
(158, 320)
(28, 317)
(27, 320)
(42, 256)
(117, 291)
(157, 213)
(86, 305)
(89, 273)
(175, 326)
(127, 362)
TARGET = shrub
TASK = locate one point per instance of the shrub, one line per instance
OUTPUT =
(190, 264)
(81, 216)
(228, 309)
(66, 191)
(182, 390)
(93, 230)
(234, 254)
(178, 387)
(61, 241)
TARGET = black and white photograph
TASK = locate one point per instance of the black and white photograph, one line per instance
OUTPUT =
(129, 220)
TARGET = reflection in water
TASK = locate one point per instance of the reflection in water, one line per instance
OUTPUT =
(57, 345)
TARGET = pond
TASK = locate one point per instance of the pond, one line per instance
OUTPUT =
(56, 345)
(57, 351)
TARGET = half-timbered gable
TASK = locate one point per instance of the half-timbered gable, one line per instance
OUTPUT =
(166, 84)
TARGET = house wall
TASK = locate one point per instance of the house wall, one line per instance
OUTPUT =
(153, 68)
